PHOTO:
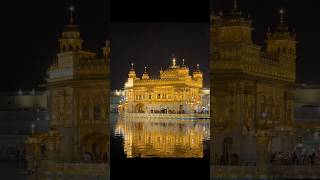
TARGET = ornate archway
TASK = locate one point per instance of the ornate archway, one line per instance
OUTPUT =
(95, 147)
(139, 108)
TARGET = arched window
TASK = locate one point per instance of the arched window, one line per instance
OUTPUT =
(97, 112)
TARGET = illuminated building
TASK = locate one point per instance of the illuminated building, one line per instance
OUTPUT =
(175, 91)
(252, 100)
(77, 143)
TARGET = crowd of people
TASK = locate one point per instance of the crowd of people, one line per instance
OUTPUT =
(166, 111)
(169, 111)
(89, 157)
(297, 157)
(300, 156)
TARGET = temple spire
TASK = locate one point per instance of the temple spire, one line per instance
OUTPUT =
(281, 12)
(235, 4)
(132, 73)
(173, 62)
(145, 74)
(70, 40)
(71, 9)
(235, 13)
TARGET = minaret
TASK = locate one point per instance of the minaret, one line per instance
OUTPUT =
(197, 74)
(70, 39)
(236, 13)
(233, 28)
(183, 65)
(132, 73)
(282, 40)
(174, 63)
(145, 74)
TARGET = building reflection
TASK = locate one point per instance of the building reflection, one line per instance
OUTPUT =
(163, 138)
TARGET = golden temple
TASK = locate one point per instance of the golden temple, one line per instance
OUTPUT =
(175, 91)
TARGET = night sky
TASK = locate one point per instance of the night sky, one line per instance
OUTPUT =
(300, 15)
(30, 33)
(154, 44)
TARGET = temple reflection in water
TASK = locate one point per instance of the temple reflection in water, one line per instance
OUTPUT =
(163, 138)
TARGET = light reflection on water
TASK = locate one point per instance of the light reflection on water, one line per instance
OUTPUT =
(167, 138)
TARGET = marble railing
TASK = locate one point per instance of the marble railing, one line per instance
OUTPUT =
(76, 170)
(167, 116)
(79, 166)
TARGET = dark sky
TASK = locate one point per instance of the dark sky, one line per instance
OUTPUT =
(301, 16)
(31, 29)
(154, 44)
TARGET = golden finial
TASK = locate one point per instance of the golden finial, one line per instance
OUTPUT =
(132, 66)
(145, 69)
(198, 67)
(71, 9)
(235, 4)
(183, 62)
(281, 12)
(174, 62)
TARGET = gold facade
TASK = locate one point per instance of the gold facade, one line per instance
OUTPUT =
(78, 100)
(251, 94)
(174, 92)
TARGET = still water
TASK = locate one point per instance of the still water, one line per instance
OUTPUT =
(164, 138)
